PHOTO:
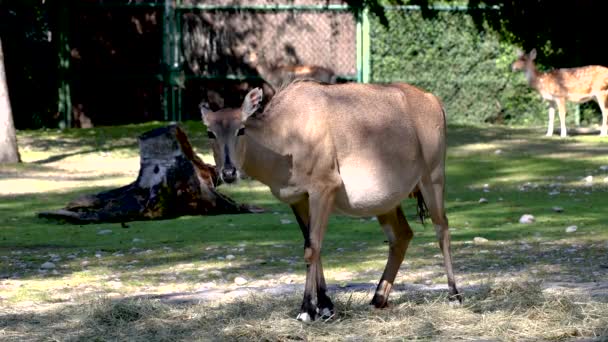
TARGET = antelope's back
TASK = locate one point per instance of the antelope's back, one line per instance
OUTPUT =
(394, 124)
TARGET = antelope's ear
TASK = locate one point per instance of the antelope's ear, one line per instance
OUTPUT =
(533, 54)
(204, 112)
(252, 102)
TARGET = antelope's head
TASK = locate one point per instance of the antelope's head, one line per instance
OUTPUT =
(524, 61)
(225, 128)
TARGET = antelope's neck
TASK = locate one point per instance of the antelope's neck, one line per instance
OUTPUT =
(253, 157)
(532, 76)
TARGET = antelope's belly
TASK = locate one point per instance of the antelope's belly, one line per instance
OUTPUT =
(370, 192)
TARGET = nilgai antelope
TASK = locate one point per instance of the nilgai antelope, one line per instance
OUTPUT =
(354, 149)
(576, 84)
(280, 75)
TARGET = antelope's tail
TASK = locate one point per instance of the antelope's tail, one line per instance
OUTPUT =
(421, 209)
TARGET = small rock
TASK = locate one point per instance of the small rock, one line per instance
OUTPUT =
(499, 151)
(240, 281)
(47, 266)
(558, 209)
(604, 167)
(571, 229)
(588, 179)
(285, 221)
(480, 240)
(553, 193)
(137, 240)
(104, 232)
(526, 218)
(230, 257)
(483, 200)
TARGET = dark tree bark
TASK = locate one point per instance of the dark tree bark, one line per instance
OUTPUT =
(8, 139)
(173, 181)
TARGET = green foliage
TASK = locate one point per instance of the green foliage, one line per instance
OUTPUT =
(458, 58)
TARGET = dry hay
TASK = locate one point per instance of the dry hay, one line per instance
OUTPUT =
(512, 311)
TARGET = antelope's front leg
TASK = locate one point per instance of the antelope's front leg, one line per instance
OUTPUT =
(551, 119)
(324, 304)
(321, 205)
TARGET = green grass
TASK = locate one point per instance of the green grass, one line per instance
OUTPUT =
(519, 165)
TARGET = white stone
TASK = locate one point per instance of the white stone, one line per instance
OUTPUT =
(285, 221)
(240, 281)
(47, 266)
(553, 193)
(499, 151)
(104, 232)
(480, 240)
(558, 209)
(137, 240)
(571, 229)
(588, 179)
(230, 257)
(483, 200)
(526, 218)
(604, 167)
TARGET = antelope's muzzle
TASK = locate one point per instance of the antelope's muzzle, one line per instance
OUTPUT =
(229, 174)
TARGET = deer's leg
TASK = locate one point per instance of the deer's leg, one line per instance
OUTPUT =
(399, 234)
(602, 100)
(321, 205)
(302, 213)
(561, 108)
(433, 193)
(551, 119)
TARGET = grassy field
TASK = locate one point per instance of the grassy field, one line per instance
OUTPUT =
(240, 277)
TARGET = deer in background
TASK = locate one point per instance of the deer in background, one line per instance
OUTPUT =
(575, 84)
(279, 75)
(355, 149)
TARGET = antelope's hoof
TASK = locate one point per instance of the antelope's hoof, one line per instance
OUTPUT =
(379, 302)
(456, 300)
(305, 317)
(326, 314)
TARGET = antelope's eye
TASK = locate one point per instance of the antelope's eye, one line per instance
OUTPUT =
(241, 131)
(210, 135)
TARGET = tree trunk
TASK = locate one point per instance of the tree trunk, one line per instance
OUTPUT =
(172, 182)
(8, 139)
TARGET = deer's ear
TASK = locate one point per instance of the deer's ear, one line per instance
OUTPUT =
(533, 54)
(252, 102)
(204, 113)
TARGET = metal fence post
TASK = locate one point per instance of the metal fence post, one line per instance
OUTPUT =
(363, 46)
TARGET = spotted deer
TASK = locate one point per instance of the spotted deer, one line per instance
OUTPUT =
(575, 84)
(354, 149)
(279, 75)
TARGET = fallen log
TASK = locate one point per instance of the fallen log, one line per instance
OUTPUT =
(173, 181)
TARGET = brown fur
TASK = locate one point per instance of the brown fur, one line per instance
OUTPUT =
(355, 149)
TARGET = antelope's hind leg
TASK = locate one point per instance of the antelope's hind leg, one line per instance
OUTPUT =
(602, 100)
(399, 234)
(433, 193)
